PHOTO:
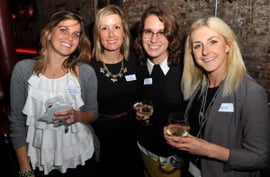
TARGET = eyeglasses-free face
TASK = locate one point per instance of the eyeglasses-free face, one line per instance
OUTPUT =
(65, 37)
(111, 32)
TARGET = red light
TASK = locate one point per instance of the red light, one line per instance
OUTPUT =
(21, 12)
(13, 16)
(26, 50)
(30, 11)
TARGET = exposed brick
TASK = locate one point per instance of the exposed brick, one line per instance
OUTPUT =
(250, 19)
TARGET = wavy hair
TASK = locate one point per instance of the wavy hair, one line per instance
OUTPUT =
(109, 10)
(194, 76)
(171, 31)
(81, 54)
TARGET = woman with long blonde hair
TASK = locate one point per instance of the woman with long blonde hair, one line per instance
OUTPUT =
(228, 113)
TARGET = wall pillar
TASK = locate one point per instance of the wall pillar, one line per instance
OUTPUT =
(7, 48)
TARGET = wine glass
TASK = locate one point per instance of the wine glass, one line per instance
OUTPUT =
(178, 125)
(145, 109)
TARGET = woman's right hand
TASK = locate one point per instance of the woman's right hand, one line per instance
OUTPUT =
(139, 115)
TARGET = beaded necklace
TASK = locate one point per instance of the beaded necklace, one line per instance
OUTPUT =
(113, 77)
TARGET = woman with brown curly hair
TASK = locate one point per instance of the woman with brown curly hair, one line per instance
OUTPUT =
(158, 46)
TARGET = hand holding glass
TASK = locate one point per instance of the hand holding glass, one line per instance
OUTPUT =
(177, 125)
(145, 110)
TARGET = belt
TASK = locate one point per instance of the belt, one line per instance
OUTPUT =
(112, 116)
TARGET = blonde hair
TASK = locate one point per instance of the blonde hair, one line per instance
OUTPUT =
(109, 10)
(194, 76)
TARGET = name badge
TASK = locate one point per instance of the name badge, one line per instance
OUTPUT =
(148, 81)
(74, 91)
(131, 77)
(73, 87)
(226, 107)
(194, 170)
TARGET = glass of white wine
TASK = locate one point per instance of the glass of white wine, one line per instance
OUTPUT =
(178, 125)
(146, 109)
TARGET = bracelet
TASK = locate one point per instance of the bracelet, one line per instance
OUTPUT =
(25, 173)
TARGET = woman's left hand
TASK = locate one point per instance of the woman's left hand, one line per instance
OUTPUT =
(198, 146)
(188, 143)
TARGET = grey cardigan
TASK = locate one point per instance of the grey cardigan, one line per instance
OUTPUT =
(245, 131)
(19, 91)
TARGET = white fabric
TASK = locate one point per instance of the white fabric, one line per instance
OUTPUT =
(150, 154)
(163, 65)
(49, 146)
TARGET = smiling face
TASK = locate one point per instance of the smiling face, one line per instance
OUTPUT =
(64, 38)
(111, 32)
(153, 39)
(210, 50)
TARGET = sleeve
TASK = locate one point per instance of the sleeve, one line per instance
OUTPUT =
(18, 93)
(89, 89)
(255, 135)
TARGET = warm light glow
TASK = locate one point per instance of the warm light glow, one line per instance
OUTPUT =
(26, 50)
(21, 12)
(13, 16)
(30, 11)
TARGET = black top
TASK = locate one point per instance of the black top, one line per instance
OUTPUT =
(117, 135)
(167, 97)
(196, 108)
(119, 96)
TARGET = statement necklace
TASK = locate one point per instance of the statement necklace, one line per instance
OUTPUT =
(113, 77)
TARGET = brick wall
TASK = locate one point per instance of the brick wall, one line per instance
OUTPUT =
(250, 19)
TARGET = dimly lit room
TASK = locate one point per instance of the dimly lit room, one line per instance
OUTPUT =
(214, 61)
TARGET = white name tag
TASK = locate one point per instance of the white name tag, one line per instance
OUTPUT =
(131, 77)
(148, 81)
(74, 90)
(226, 107)
(73, 87)
(194, 170)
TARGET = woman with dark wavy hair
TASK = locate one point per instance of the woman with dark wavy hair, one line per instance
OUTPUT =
(158, 46)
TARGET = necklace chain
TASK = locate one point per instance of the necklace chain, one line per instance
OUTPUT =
(113, 77)
(205, 107)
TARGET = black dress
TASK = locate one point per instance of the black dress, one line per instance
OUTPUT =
(119, 155)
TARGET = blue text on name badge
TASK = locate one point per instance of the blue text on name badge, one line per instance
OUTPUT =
(226, 107)
(74, 91)
(148, 81)
(131, 77)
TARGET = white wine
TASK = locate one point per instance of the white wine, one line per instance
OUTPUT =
(177, 125)
(177, 131)
(146, 110)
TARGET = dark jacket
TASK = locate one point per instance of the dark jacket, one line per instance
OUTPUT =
(244, 130)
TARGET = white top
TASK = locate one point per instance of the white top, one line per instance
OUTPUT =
(50, 147)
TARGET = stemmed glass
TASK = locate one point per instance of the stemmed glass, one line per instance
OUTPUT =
(145, 109)
(178, 125)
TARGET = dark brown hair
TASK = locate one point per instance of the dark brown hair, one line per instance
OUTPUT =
(171, 32)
